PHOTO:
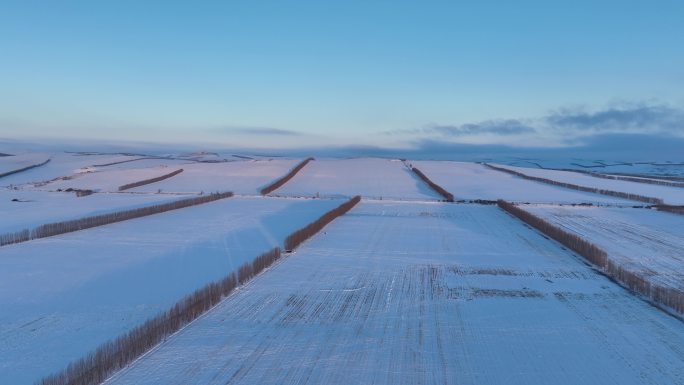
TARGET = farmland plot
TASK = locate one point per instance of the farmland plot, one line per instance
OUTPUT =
(241, 177)
(108, 180)
(60, 165)
(369, 177)
(423, 294)
(34, 208)
(645, 241)
(12, 163)
(671, 195)
(475, 181)
(63, 296)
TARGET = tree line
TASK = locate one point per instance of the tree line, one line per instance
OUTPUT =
(116, 354)
(635, 281)
(63, 227)
(24, 168)
(449, 197)
(281, 181)
(595, 190)
(151, 180)
(298, 237)
(637, 180)
(671, 209)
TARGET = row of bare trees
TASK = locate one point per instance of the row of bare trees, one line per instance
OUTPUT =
(16, 237)
(449, 197)
(619, 194)
(57, 228)
(628, 178)
(298, 237)
(24, 168)
(671, 209)
(116, 354)
(669, 296)
(151, 180)
(281, 181)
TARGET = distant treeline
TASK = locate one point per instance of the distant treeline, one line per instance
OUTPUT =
(114, 355)
(595, 190)
(24, 168)
(449, 197)
(668, 296)
(280, 182)
(672, 209)
(301, 235)
(636, 179)
(151, 180)
(117, 354)
(63, 227)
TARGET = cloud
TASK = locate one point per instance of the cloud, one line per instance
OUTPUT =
(564, 127)
(642, 118)
(497, 127)
(257, 131)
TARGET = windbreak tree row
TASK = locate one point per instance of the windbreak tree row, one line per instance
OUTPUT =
(116, 354)
(57, 228)
(301, 235)
(151, 180)
(24, 168)
(618, 194)
(671, 209)
(449, 197)
(281, 181)
(637, 180)
(668, 296)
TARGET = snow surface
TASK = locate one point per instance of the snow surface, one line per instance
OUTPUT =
(36, 208)
(475, 181)
(241, 177)
(108, 180)
(424, 294)
(646, 241)
(369, 177)
(63, 296)
(671, 195)
(16, 162)
(61, 164)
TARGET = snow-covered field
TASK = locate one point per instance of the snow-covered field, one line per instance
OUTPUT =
(34, 208)
(475, 181)
(60, 165)
(241, 177)
(424, 294)
(108, 180)
(646, 241)
(372, 178)
(671, 195)
(402, 289)
(63, 296)
(17, 162)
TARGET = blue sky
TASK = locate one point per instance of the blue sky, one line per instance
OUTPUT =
(383, 73)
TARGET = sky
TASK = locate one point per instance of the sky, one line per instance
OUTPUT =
(285, 74)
